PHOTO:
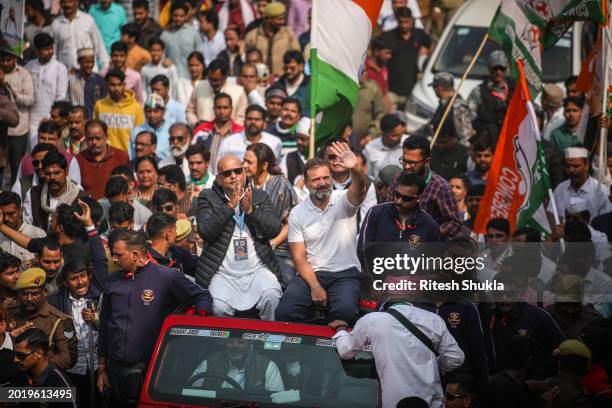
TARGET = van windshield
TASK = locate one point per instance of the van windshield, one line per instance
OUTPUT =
(463, 41)
(201, 366)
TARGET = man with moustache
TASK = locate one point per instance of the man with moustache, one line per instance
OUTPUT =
(31, 309)
(322, 231)
(43, 199)
(580, 185)
(437, 198)
(180, 140)
(99, 159)
(402, 220)
(85, 86)
(75, 142)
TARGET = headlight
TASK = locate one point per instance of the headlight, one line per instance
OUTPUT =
(419, 108)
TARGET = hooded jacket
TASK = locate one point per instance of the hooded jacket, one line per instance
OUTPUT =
(121, 117)
(216, 225)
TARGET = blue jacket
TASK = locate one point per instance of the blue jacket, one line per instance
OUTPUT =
(463, 322)
(380, 225)
(134, 308)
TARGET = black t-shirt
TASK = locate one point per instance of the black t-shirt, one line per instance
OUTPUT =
(403, 64)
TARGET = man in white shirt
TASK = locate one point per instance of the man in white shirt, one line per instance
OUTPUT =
(213, 40)
(254, 124)
(322, 231)
(386, 149)
(399, 354)
(50, 80)
(74, 30)
(580, 186)
(200, 106)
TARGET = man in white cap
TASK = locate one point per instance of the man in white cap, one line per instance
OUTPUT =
(292, 163)
(155, 109)
(580, 185)
(85, 86)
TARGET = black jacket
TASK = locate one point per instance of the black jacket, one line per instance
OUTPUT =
(216, 225)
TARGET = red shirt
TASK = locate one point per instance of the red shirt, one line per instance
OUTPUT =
(378, 75)
(95, 174)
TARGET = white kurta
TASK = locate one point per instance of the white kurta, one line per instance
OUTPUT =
(240, 284)
(405, 366)
(50, 84)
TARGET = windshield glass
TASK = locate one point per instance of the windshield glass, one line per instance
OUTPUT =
(199, 366)
(462, 42)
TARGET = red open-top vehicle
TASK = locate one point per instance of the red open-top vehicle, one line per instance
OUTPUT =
(287, 365)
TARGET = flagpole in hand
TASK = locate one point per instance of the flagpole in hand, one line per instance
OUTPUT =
(456, 92)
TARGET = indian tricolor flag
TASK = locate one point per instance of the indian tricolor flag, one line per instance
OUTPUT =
(340, 35)
(518, 181)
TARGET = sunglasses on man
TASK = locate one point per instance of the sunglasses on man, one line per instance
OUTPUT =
(22, 356)
(404, 198)
(237, 171)
(451, 397)
(165, 208)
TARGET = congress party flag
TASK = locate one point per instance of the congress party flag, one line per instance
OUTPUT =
(340, 35)
(518, 180)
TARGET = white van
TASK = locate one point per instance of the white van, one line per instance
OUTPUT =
(458, 43)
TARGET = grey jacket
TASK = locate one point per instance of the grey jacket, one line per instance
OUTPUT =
(216, 225)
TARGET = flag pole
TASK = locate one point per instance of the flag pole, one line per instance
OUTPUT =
(603, 132)
(456, 92)
(313, 85)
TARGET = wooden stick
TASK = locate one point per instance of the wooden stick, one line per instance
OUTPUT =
(311, 149)
(452, 100)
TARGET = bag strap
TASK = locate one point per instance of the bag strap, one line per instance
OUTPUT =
(413, 329)
(51, 342)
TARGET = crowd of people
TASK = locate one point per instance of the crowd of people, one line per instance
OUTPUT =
(154, 155)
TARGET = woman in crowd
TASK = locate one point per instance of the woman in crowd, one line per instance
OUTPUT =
(197, 71)
(262, 171)
(459, 185)
(146, 174)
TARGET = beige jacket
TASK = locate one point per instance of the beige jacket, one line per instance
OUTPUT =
(274, 48)
(20, 82)
(201, 103)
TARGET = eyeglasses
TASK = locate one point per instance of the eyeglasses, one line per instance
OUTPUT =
(451, 397)
(498, 236)
(138, 144)
(22, 356)
(237, 171)
(405, 198)
(37, 163)
(411, 163)
(165, 208)
(179, 139)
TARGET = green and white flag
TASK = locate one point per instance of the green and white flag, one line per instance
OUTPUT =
(519, 38)
(555, 17)
(341, 34)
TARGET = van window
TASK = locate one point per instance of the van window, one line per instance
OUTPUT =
(204, 366)
(463, 41)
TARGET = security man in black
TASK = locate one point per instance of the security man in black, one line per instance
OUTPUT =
(136, 300)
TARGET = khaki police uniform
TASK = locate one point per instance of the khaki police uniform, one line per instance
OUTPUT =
(59, 327)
